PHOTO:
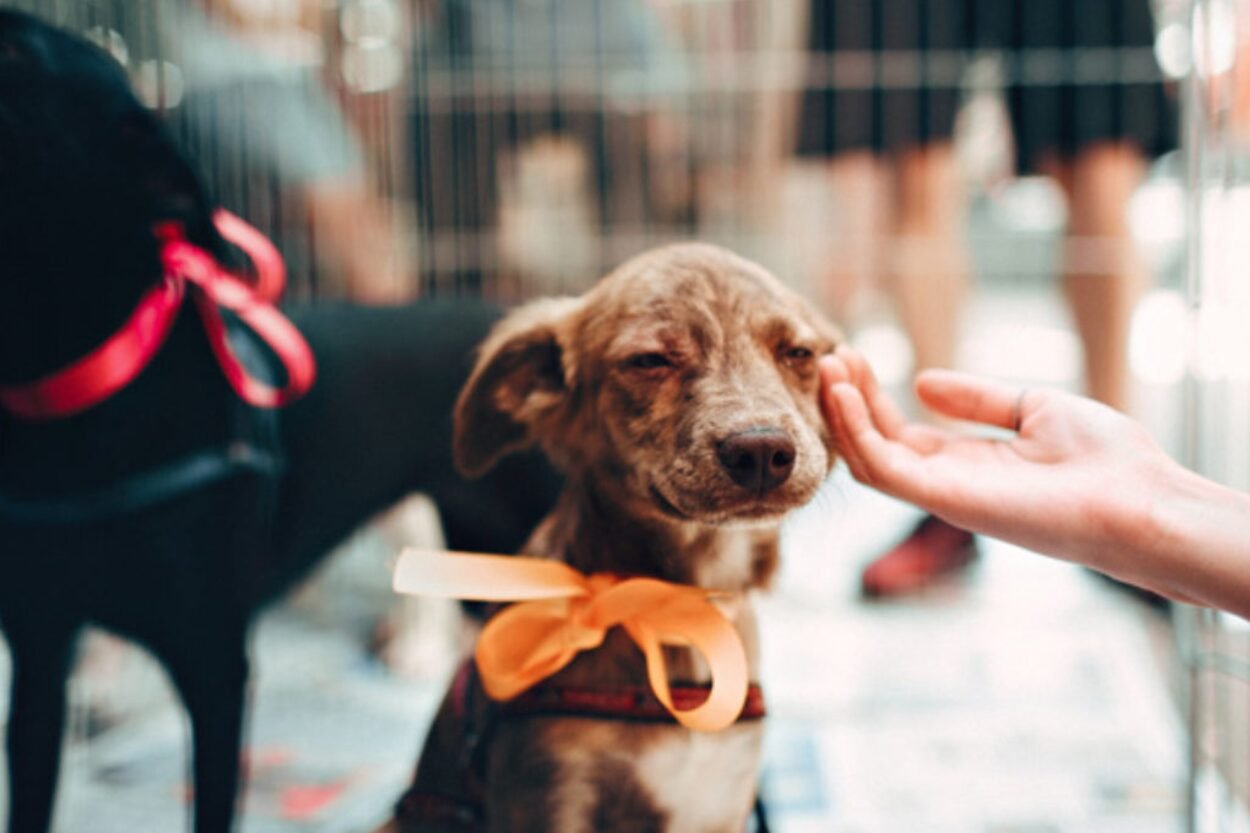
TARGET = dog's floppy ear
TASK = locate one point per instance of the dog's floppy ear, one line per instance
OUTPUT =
(519, 385)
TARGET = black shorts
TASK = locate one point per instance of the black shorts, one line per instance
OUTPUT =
(889, 74)
(1109, 88)
(861, 95)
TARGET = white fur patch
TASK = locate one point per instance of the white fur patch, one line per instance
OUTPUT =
(733, 564)
(704, 782)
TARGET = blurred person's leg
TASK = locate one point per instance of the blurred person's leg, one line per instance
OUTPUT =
(927, 271)
(1094, 135)
(1103, 273)
(839, 128)
(855, 258)
(910, 235)
(360, 238)
(927, 274)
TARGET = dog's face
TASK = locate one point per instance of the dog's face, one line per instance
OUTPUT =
(684, 384)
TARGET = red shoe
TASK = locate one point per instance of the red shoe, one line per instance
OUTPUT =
(933, 549)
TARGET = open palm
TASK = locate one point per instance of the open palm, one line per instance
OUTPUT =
(1058, 466)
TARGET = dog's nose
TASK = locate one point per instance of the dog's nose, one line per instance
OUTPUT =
(758, 459)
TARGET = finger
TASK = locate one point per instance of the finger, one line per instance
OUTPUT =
(841, 437)
(833, 370)
(961, 396)
(888, 418)
(880, 463)
(861, 373)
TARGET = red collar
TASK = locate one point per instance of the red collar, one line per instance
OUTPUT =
(107, 369)
(458, 805)
(633, 703)
(637, 703)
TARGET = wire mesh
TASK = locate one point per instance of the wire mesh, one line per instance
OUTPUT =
(507, 149)
(1215, 648)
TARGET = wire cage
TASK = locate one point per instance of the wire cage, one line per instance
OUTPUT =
(509, 149)
(512, 148)
(292, 112)
(1215, 648)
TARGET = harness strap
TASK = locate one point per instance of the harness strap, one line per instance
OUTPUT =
(142, 490)
(632, 703)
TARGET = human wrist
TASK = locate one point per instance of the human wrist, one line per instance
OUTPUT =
(1138, 524)
(1195, 540)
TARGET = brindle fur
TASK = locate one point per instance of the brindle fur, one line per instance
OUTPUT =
(645, 495)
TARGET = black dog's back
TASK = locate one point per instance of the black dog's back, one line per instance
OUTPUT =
(104, 515)
(86, 173)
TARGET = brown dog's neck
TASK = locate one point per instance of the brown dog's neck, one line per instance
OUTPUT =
(595, 534)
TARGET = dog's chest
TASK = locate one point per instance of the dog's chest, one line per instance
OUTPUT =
(702, 782)
(671, 781)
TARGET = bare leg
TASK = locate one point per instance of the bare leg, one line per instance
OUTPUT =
(1103, 272)
(361, 239)
(927, 260)
(927, 274)
(854, 262)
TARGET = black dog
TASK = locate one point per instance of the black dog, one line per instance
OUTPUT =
(171, 512)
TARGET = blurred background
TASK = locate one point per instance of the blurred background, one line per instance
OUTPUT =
(1048, 193)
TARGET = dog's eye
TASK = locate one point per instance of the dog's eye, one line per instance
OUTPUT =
(797, 354)
(648, 361)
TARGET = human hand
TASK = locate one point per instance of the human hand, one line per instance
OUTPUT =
(1075, 479)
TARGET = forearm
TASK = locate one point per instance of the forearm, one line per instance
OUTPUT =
(1196, 541)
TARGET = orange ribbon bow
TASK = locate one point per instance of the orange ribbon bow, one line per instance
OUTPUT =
(561, 612)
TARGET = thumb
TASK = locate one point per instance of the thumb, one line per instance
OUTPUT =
(961, 396)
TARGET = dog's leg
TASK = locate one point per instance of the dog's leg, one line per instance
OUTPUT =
(41, 648)
(210, 674)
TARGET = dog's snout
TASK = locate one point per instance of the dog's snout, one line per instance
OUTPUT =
(758, 459)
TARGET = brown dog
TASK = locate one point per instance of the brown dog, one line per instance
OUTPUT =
(679, 397)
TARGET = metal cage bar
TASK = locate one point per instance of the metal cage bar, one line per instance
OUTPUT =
(472, 153)
(1215, 648)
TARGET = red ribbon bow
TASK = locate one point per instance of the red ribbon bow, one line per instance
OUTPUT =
(123, 356)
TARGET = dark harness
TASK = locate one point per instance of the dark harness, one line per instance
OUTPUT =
(143, 490)
(240, 340)
(480, 716)
(250, 443)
